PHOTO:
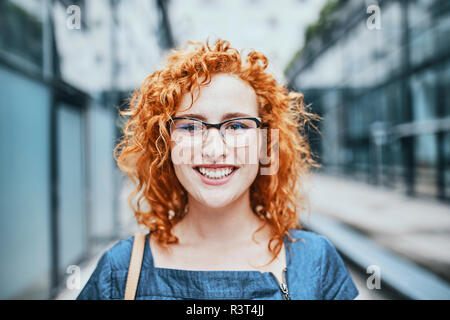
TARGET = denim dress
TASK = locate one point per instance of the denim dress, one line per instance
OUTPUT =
(314, 271)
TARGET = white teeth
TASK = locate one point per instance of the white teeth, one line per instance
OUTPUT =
(216, 173)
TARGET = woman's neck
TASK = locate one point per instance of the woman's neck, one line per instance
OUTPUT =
(219, 227)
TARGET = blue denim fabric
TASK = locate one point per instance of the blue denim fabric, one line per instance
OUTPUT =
(314, 271)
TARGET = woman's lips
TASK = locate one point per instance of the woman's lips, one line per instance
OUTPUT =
(213, 181)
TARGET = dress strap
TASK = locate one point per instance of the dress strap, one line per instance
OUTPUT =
(134, 269)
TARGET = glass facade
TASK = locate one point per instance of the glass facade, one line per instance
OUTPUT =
(22, 30)
(72, 236)
(384, 95)
(25, 205)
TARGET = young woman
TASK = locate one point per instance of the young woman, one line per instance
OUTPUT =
(217, 150)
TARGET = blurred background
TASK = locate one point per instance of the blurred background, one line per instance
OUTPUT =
(378, 72)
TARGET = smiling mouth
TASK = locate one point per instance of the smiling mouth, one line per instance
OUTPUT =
(216, 173)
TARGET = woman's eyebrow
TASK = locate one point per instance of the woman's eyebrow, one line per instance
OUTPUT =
(226, 116)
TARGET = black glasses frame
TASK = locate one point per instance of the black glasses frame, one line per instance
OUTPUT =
(218, 126)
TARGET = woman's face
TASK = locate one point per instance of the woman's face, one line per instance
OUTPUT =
(226, 97)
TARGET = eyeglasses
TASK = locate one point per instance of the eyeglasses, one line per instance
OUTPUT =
(238, 132)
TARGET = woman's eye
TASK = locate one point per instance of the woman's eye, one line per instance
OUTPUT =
(188, 127)
(237, 126)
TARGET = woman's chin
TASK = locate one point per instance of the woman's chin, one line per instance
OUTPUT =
(216, 200)
(210, 203)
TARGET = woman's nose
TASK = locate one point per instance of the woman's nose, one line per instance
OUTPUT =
(213, 144)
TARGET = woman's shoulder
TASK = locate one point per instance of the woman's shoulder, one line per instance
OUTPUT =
(316, 261)
(118, 256)
(308, 241)
(114, 262)
(311, 246)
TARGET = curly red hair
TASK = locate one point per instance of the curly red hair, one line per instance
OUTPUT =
(143, 152)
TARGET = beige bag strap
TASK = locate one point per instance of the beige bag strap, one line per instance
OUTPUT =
(134, 269)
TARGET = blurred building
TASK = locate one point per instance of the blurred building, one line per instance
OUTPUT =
(61, 84)
(383, 91)
(274, 28)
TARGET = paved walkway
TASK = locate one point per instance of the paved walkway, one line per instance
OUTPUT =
(418, 229)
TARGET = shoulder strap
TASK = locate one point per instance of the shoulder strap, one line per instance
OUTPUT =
(134, 269)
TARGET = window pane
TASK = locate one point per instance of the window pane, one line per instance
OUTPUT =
(25, 187)
(71, 211)
(21, 29)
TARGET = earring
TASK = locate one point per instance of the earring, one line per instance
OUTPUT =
(260, 211)
(259, 208)
(171, 214)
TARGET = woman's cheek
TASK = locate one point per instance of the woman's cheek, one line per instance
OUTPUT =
(186, 155)
(247, 155)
